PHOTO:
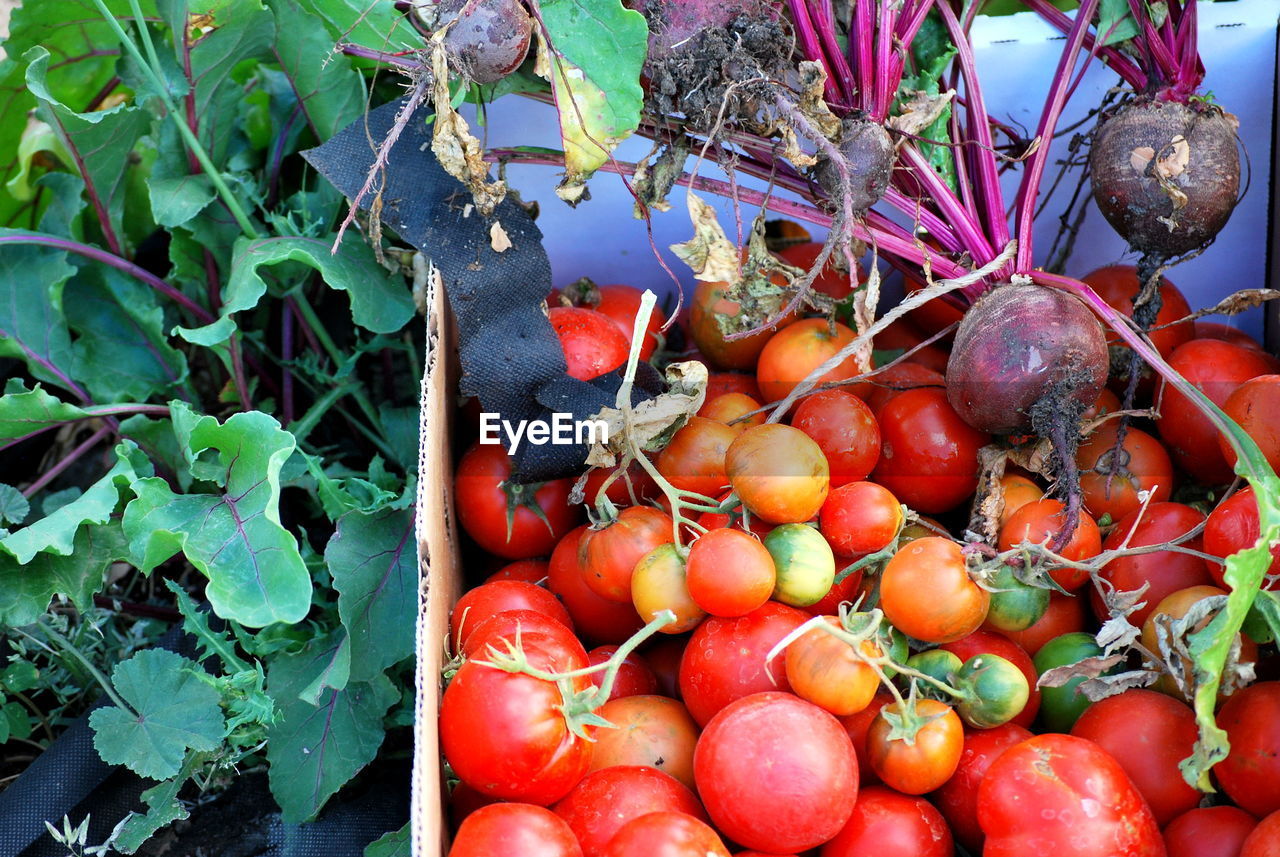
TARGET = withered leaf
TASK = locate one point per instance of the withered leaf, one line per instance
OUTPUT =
(655, 420)
(457, 150)
(709, 253)
(1089, 668)
(920, 111)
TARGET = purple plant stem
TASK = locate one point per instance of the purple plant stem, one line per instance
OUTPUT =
(949, 206)
(1029, 191)
(835, 57)
(238, 373)
(396, 60)
(884, 85)
(67, 460)
(929, 221)
(1122, 65)
(861, 42)
(91, 189)
(100, 255)
(808, 41)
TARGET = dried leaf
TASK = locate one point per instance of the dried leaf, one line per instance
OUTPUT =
(1095, 689)
(709, 253)
(920, 111)
(988, 503)
(1089, 668)
(498, 238)
(812, 101)
(457, 150)
(655, 420)
(1118, 633)
(653, 182)
(1233, 304)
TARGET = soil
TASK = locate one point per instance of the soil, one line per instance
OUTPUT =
(235, 824)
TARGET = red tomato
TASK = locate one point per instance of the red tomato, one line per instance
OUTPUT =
(514, 828)
(622, 304)
(857, 726)
(1212, 831)
(647, 730)
(1250, 775)
(1225, 332)
(893, 380)
(1149, 734)
(776, 773)
(860, 518)
(888, 824)
(1264, 841)
(632, 485)
(665, 834)
(492, 598)
(730, 408)
(983, 642)
(725, 658)
(603, 801)
(593, 345)
(1041, 521)
(528, 570)
(1118, 285)
(509, 624)
(955, 605)
(1056, 795)
(720, 383)
(597, 619)
(634, 676)
(830, 281)
(1111, 480)
(711, 299)
(929, 456)
(694, 459)
(1255, 405)
(1066, 613)
(729, 572)
(779, 472)
(928, 762)
(825, 670)
(958, 797)
(798, 349)
(504, 733)
(1235, 525)
(607, 556)
(1217, 368)
(844, 429)
(1164, 572)
(500, 516)
(1018, 491)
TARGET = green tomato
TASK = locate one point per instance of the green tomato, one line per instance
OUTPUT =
(937, 664)
(1015, 606)
(996, 691)
(804, 562)
(1060, 707)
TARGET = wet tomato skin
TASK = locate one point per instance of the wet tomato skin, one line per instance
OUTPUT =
(1213, 831)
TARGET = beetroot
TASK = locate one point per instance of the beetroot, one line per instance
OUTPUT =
(489, 39)
(1166, 175)
(1023, 346)
(868, 154)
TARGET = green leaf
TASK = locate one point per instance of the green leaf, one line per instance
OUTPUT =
(393, 844)
(14, 508)
(176, 195)
(24, 412)
(234, 537)
(374, 563)
(1115, 22)
(26, 590)
(56, 533)
(933, 50)
(32, 328)
(20, 676)
(313, 750)
(327, 87)
(157, 439)
(163, 809)
(62, 217)
(211, 642)
(363, 22)
(593, 62)
(379, 302)
(173, 711)
(121, 349)
(334, 673)
(99, 144)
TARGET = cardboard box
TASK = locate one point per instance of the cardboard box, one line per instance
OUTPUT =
(1016, 54)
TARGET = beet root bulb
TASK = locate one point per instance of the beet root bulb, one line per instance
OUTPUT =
(487, 39)
(1022, 351)
(1166, 175)
(867, 150)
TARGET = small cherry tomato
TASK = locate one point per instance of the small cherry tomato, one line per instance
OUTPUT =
(512, 521)
(1061, 707)
(729, 408)
(621, 304)
(779, 472)
(607, 556)
(1174, 606)
(955, 605)
(514, 828)
(957, 798)
(1018, 491)
(928, 456)
(1041, 522)
(1112, 478)
(888, 824)
(997, 691)
(1211, 831)
(844, 429)
(597, 619)
(490, 598)
(694, 459)
(1264, 841)
(859, 518)
(986, 642)
(826, 671)
(729, 572)
(665, 834)
(927, 762)
(647, 730)
(805, 565)
(1255, 406)
(604, 801)
(1233, 526)
(1163, 572)
(798, 349)
(660, 582)
(1250, 775)
(593, 345)
(1015, 606)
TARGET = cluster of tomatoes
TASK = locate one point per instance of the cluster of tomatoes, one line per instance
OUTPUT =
(789, 655)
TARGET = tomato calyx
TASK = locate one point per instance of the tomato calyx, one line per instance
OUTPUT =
(524, 497)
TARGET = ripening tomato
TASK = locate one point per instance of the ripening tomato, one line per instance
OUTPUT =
(1255, 406)
(514, 828)
(1264, 841)
(724, 660)
(779, 473)
(1018, 491)
(998, 691)
(844, 429)
(797, 350)
(608, 555)
(957, 798)
(776, 773)
(1163, 572)
(597, 619)
(1149, 734)
(1217, 369)
(1061, 707)
(730, 409)
(593, 345)
(893, 380)
(603, 801)
(1174, 606)
(826, 671)
(888, 824)
(529, 570)
(928, 762)
(647, 730)
(711, 299)
(984, 642)
(660, 582)
(729, 572)
(500, 516)
(622, 304)
(804, 564)
(631, 486)
(504, 734)
(1065, 614)
(1250, 775)
(1118, 285)
(929, 456)
(634, 678)
(490, 598)
(665, 834)
(1042, 521)
(694, 459)
(1056, 795)
(830, 281)
(1233, 526)
(1211, 831)
(1015, 606)
(1111, 478)
(859, 518)
(955, 605)
(857, 725)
